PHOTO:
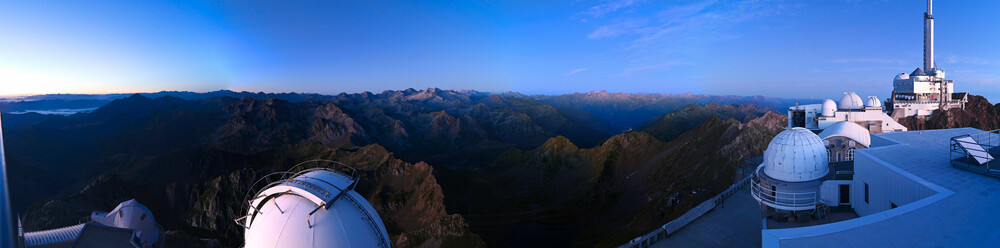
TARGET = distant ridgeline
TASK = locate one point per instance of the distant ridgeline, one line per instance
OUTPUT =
(67, 104)
(639, 106)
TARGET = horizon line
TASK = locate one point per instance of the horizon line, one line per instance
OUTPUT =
(344, 92)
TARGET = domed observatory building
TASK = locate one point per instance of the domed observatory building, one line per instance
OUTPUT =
(869, 114)
(789, 180)
(314, 208)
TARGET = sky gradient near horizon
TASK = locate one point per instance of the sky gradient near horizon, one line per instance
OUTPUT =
(792, 49)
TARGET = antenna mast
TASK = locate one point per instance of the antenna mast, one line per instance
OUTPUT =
(928, 39)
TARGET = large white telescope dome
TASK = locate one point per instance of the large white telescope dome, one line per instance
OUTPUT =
(315, 208)
(796, 155)
(851, 101)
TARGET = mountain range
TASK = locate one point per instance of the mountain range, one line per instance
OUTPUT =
(442, 167)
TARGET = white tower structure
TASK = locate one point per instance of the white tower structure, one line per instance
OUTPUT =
(923, 91)
(929, 39)
(315, 208)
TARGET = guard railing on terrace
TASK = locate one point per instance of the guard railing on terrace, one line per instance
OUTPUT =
(783, 200)
(976, 152)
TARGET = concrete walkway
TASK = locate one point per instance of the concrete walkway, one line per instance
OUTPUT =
(735, 224)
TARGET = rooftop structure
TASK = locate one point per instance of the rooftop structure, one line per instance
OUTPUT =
(977, 153)
(313, 208)
(903, 185)
(849, 130)
(923, 91)
(866, 113)
(843, 138)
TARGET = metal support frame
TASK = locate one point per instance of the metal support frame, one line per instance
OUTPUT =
(988, 140)
(276, 178)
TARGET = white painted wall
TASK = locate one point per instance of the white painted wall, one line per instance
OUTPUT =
(885, 186)
(830, 191)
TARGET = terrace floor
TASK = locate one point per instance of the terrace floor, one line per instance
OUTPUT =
(834, 215)
(735, 223)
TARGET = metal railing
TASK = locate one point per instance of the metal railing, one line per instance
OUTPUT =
(898, 101)
(961, 157)
(276, 178)
(783, 200)
(690, 216)
(8, 232)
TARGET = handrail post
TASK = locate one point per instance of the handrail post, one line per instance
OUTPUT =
(7, 230)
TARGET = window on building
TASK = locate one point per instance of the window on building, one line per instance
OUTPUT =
(866, 192)
(840, 143)
(850, 154)
(829, 155)
(840, 157)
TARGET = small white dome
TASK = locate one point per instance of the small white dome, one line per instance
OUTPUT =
(851, 101)
(829, 108)
(796, 155)
(131, 215)
(939, 73)
(873, 102)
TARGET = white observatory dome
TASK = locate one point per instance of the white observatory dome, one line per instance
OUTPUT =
(829, 108)
(796, 155)
(132, 215)
(851, 101)
(873, 102)
(316, 208)
(848, 130)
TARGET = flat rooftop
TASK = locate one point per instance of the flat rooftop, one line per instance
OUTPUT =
(962, 212)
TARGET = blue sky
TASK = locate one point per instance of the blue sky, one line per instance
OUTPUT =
(813, 49)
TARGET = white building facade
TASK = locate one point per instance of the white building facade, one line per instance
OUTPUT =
(923, 91)
(866, 113)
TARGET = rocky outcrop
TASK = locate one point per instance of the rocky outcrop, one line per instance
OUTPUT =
(505, 165)
(978, 113)
(630, 184)
(624, 111)
(332, 127)
(405, 195)
(669, 126)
